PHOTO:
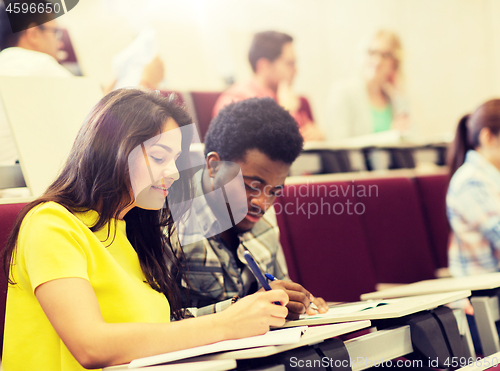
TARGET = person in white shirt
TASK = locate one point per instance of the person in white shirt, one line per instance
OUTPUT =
(31, 52)
(24, 61)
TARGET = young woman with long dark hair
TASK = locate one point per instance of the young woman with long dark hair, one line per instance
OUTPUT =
(88, 261)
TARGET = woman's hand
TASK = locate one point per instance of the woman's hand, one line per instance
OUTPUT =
(287, 97)
(299, 299)
(73, 310)
(254, 314)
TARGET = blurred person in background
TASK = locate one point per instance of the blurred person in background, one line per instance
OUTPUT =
(373, 102)
(272, 58)
(33, 52)
(473, 198)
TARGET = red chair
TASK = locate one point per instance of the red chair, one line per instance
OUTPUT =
(432, 190)
(293, 271)
(204, 103)
(397, 237)
(329, 249)
(67, 56)
(8, 213)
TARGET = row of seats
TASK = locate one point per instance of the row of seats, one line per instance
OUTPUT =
(200, 105)
(391, 229)
(367, 158)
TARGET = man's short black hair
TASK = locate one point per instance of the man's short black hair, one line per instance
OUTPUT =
(20, 22)
(267, 44)
(256, 123)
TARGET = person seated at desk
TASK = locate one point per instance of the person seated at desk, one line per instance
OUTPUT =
(272, 58)
(373, 102)
(473, 198)
(263, 140)
(33, 52)
(89, 285)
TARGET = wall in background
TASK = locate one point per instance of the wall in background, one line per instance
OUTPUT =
(452, 47)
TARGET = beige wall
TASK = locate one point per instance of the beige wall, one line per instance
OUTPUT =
(452, 47)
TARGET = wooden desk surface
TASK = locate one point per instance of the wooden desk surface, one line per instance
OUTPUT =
(393, 308)
(313, 335)
(440, 285)
(220, 365)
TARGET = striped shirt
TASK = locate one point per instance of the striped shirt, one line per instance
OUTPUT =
(213, 271)
(473, 207)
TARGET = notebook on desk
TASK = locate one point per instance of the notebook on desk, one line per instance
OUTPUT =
(313, 335)
(381, 309)
(220, 351)
(277, 337)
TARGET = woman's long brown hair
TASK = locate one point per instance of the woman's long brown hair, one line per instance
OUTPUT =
(96, 177)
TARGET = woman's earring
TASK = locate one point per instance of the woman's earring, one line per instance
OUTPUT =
(212, 182)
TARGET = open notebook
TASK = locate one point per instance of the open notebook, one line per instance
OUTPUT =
(276, 337)
(372, 310)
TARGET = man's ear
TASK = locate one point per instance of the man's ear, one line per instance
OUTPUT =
(31, 35)
(213, 161)
(262, 65)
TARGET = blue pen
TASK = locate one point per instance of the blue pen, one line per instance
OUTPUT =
(257, 273)
(270, 277)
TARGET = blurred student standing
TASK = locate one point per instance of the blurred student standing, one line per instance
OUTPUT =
(373, 102)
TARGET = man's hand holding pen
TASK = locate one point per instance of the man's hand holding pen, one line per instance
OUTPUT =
(299, 299)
